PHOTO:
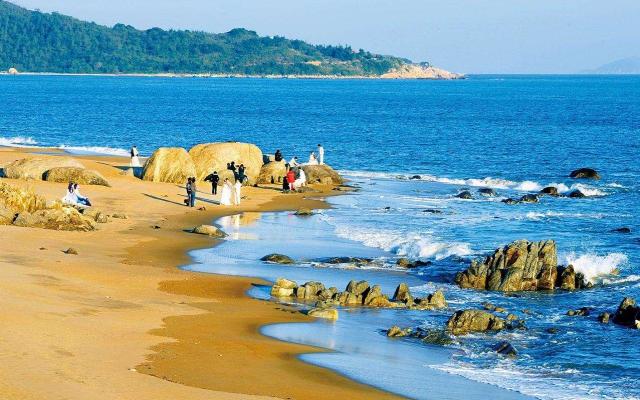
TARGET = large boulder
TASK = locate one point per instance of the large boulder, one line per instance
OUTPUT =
(521, 265)
(15, 199)
(209, 230)
(35, 167)
(584, 173)
(322, 174)
(272, 172)
(628, 313)
(433, 301)
(326, 313)
(74, 174)
(467, 321)
(209, 157)
(59, 219)
(6, 216)
(169, 164)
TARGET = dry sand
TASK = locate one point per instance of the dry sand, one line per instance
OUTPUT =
(121, 321)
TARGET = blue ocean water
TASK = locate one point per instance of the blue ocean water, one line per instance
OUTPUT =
(515, 134)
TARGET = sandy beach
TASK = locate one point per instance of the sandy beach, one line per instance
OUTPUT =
(120, 320)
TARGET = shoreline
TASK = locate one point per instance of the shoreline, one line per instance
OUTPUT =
(131, 289)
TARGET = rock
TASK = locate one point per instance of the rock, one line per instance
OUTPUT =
(304, 212)
(624, 229)
(286, 283)
(552, 331)
(434, 301)
(169, 164)
(119, 216)
(357, 288)
(406, 263)
(347, 260)
(506, 349)
(348, 299)
(519, 266)
(529, 198)
(512, 317)
(568, 279)
(465, 195)
(550, 191)
(35, 167)
(15, 199)
(209, 230)
(628, 313)
(323, 174)
(278, 259)
(96, 215)
(415, 177)
(71, 251)
(488, 192)
(419, 71)
(604, 318)
(272, 173)
(283, 288)
(432, 211)
(510, 201)
(571, 313)
(488, 306)
(209, 157)
(467, 321)
(77, 175)
(396, 331)
(6, 216)
(582, 312)
(312, 290)
(576, 194)
(60, 219)
(403, 294)
(584, 173)
(435, 336)
(375, 298)
(326, 313)
(500, 310)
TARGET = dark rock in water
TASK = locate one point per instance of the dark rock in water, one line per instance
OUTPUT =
(403, 294)
(488, 306)
(500, 310)
(568, 279)
(348, 260)
(278, 259)
(487, 192)
(576, 194)
(435, 336)
(304, 212)
(506, 349)
(550, 190)
(406, 263)
(582, 312)
(467, 321)
(465, 195)
(584, 173)
(432, 211)
(396, 331)
(552, 331)
(414, 177)
(628, 313)
(519, 266)
(529, 198)
(510, 201)
(387, 208)
(604, 318)
(624, 229)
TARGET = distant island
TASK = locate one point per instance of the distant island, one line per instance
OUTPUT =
(33, 41)
(625, 66)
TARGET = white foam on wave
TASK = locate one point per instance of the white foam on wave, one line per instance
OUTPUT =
(95, 150)
(18, 141)
(537, 216)
(596, 267)
(411, 245)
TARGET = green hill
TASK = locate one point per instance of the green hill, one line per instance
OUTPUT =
(41, 42)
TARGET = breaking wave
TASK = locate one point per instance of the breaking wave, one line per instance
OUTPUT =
(595, 267)
(17, 141)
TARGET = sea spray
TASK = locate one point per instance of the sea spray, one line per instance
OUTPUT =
(593, 266)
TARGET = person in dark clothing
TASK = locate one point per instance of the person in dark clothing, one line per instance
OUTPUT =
(278, 156)
(241, 176)
(214, 179)
(191, 192)
(285, 185)
(232, 166)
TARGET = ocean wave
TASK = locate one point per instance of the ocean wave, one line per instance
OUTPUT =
(411, 245)
(596, 267)
(18, 141)
(95, 150)
(537, 216)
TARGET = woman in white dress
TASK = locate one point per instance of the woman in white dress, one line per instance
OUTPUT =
(312, 159)
(227, 191)
(302, 179)
(236, 193)
(135, 160)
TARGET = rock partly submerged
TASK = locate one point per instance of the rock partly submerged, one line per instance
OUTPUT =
(278, 259)
(584, 173)
(469, 321)
(521, 266)
(628, 313)
(322, 174)
(209, 230)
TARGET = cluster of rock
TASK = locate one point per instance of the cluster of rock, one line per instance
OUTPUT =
(176, 164)
(522, 266)
(628, 313)
(357, 293)
(53, 169)
(433, 336)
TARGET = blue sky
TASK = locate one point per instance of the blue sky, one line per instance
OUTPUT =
(481, 36)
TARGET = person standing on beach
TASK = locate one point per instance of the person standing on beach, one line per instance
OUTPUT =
(320, 154)
(191, 192)
(241, 176)
(214, 179)
(227, 190)
(236, 193)
(291, 178)
(135, 160)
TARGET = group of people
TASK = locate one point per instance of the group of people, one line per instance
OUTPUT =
(295, 178)
(74, 198)
(231, 193)
(313, 158)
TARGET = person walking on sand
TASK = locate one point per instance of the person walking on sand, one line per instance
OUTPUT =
(225, 195)
(320, 154)
(237, 192)
(135, 160)
(291, 178)
(214, 178)
(191, 192)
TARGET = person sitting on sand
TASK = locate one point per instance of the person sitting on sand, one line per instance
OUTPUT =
(291, 178)
(135, 160)
(74, 198)
(278, 156)
(214, 179)
(225, 195)
(312, 159)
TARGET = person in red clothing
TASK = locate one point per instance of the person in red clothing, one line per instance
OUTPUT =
(291, 178)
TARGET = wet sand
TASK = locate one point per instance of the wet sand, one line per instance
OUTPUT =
(120, 320)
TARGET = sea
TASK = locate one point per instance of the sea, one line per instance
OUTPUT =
(407, 147)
